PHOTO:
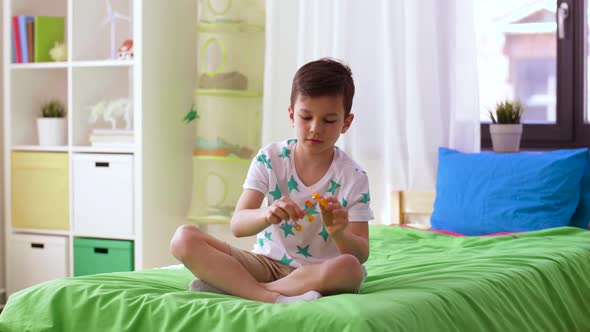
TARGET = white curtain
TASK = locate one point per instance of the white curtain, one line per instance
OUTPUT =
(414, 66)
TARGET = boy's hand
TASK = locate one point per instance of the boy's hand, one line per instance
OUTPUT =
(283, 209)
(335, 216)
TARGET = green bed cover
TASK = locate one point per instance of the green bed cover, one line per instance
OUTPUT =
(418, 281)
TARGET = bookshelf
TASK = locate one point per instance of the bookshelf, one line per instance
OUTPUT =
(142, 186)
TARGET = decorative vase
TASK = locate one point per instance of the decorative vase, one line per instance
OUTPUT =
(52, 131)
(506, 137)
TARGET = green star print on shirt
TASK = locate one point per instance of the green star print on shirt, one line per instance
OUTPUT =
(313, 211)
(286, 153)
(285, 260)
(276, 194)
(303, 251)
(288, 229)
(263, 159)
(324, 233)
(292, 184)
(333, 186)
(366, 198)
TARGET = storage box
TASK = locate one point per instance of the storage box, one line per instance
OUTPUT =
(40, 190)
(33, 259)
(92, 256)
(103, 194)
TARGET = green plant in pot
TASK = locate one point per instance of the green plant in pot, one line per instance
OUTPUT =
(52, 125)
(506, 129)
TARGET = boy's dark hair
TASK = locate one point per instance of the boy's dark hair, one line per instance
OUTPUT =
(324, 77)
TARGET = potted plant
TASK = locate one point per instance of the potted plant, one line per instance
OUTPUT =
(506, 129)
(51, 126)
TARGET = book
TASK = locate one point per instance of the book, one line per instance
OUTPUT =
(112, 142)
(29, 23)
(22, 32)
(114, 145)
(48, 31)
(111, 139)
(112, 132)
(15, 32)
(13, 45)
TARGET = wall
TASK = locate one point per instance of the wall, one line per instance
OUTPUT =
(167, 141)
(281, 37)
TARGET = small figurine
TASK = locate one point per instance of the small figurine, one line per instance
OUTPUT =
(110, 111)
(125, 52)
(191, 115)
(59, 52)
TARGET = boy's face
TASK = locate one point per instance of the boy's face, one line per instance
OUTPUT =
(319, 121)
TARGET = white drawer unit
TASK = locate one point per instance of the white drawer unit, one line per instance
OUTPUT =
(103, 194)
(33, 259)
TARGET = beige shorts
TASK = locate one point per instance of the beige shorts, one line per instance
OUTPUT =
(262, 268)
(265, 269)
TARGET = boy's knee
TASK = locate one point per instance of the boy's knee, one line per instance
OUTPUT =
(184, 237)
(346, 265)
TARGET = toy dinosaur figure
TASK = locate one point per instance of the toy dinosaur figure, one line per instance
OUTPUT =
(110, 111)
(191, 115)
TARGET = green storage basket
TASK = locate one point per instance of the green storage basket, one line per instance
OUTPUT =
(230, 58)
(233, 11)
(228, 124)
(217, 186)
(92, 256)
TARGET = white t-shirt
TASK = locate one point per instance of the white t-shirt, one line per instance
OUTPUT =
(303, 242)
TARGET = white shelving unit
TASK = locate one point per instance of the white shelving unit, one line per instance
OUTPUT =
(157, 168)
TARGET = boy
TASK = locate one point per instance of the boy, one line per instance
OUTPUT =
(304, 249)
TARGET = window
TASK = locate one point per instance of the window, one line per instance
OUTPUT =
(522, 55)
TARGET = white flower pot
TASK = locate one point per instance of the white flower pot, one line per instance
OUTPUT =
(506, 137)
(52, 131)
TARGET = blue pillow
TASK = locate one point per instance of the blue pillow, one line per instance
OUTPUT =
(484, 193)
(581, 217)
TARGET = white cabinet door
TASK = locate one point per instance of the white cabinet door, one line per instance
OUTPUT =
(33, 259)
(103, 194)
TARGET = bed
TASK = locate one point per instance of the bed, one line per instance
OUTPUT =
(418, 280)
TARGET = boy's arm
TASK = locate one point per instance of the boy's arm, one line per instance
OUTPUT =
(354, 240)
(350, 237)
(249, 218)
